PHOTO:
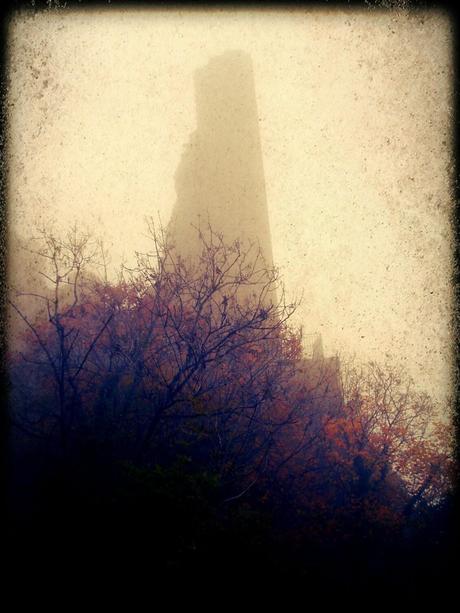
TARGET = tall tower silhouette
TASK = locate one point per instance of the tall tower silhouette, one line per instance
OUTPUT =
(220, 179)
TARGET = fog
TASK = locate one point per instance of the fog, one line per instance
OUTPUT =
(355, 126)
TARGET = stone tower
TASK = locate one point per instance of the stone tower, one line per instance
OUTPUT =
(220, 179)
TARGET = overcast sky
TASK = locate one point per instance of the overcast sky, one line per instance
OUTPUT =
(355, 111)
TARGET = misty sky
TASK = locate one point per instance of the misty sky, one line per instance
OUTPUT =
(355, 113)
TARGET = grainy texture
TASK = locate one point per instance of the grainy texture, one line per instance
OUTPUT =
(355, 111)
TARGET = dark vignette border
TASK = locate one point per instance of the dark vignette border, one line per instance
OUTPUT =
(9, 7)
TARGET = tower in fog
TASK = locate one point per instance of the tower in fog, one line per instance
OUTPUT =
(220, 179)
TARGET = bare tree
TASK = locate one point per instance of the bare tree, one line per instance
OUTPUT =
(213, 347)
(54, 355)
(199, 350)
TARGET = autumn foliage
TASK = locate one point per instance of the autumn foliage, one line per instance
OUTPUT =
(181, 381)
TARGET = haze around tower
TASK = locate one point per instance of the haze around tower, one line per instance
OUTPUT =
(220, 180)
(355, 117)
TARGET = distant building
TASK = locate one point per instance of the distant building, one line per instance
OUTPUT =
(321, 377)
(220, 179)
(220, 182)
